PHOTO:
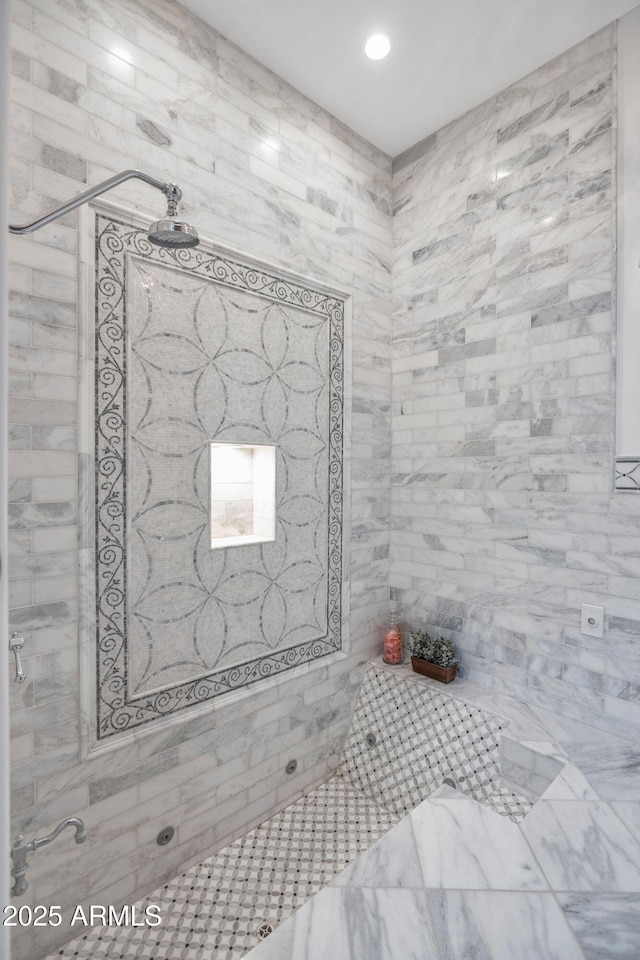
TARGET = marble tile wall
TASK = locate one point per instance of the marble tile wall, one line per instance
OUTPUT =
(99, 87)
(503, 520)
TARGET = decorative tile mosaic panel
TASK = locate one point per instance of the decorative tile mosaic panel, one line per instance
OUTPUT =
(216, 908)
(406, 740)
(192, 347)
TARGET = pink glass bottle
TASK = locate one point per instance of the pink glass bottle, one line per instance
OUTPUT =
(393, 640)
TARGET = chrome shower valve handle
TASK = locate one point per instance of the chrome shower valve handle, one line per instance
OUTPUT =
(16, 643)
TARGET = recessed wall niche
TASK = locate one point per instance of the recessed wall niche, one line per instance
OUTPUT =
(243, 494)
(199, 356)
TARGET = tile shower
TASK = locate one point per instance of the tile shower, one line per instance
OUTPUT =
(220, 904)
(490, 515)
(203, 113)
(503, 522)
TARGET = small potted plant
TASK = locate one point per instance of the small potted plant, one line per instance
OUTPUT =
(433, 657)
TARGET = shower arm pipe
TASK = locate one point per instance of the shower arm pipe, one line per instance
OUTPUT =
(172, 192)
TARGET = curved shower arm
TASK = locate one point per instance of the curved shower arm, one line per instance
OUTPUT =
(171, 191)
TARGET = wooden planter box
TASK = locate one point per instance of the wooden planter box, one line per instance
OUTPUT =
(428, 669)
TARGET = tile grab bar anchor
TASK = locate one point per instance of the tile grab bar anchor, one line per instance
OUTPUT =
(21, 848)
(16, 643)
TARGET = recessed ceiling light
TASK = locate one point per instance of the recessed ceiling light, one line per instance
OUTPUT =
(377, 46)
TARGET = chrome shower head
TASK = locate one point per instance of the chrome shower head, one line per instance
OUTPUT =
(171, 232)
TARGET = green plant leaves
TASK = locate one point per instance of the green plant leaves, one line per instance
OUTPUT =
(436, 650)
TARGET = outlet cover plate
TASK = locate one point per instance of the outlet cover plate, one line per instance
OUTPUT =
(592, 620)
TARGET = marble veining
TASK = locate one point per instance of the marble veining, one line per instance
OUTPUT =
(563, 883)
(489, 447)
(503, 366)
(570, 784)
(397, 861)
(583, 846)
(500, 926)
(495, 855)
(451, 880)
(606, 925)
(612, 769)
(350, 923)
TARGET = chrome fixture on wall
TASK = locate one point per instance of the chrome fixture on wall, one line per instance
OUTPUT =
(21, 848)
(16, 643)
(165, 836)
(168, 232)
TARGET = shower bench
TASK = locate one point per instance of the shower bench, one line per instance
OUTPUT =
(459, 823)
(556, 877)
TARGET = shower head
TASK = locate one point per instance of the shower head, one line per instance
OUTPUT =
(169, 232)
(172, 232)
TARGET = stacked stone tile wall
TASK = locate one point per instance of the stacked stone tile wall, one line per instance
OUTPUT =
(503, 520)
(97, 88)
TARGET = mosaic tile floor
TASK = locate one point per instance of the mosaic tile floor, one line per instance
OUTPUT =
(509, 804)
(214, 910)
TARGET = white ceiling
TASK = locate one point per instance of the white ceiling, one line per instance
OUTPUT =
(447, 56)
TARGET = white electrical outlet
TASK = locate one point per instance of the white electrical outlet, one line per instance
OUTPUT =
(592, 620)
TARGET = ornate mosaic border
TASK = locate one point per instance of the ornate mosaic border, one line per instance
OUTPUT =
(115, 241)
(627, 475)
